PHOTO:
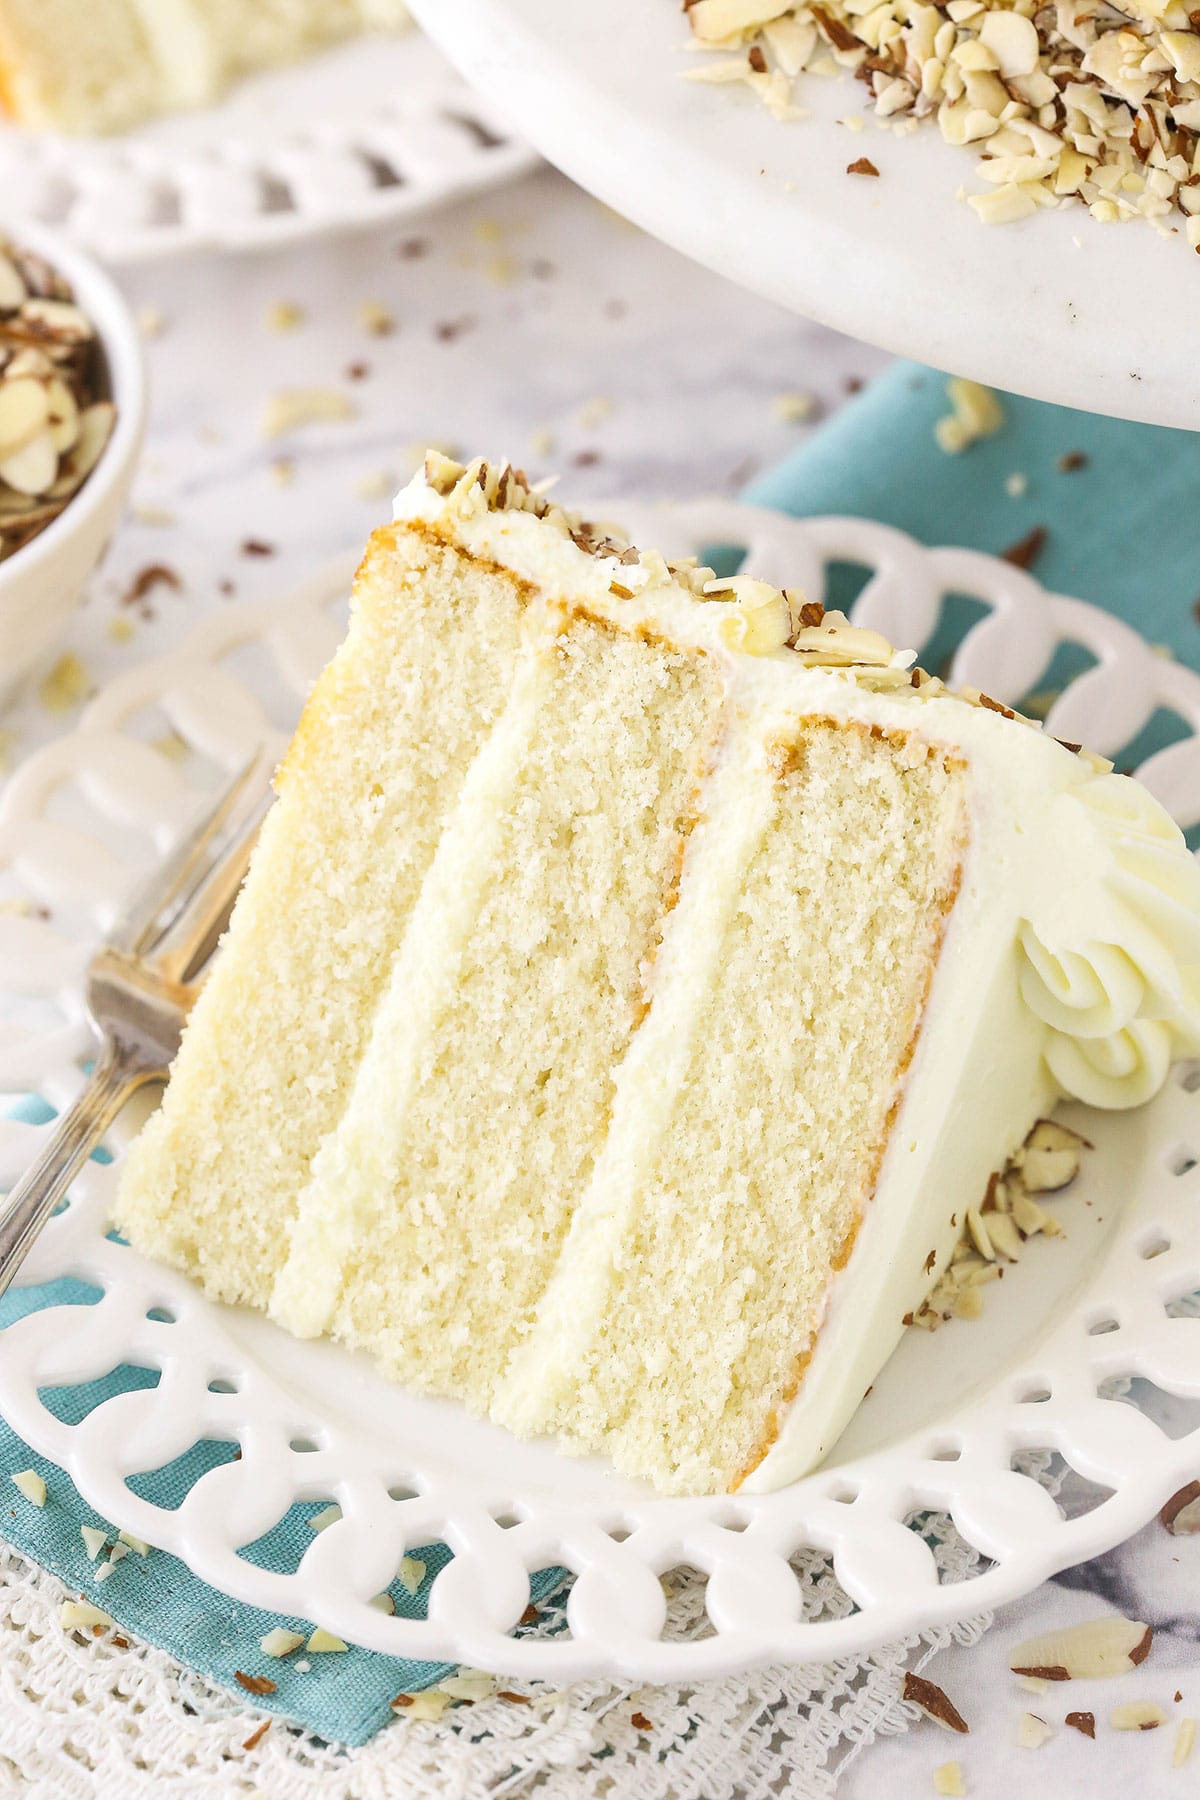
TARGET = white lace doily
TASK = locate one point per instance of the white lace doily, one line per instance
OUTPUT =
(79, 1718)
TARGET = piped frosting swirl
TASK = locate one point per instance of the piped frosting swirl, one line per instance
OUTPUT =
(1120, 994)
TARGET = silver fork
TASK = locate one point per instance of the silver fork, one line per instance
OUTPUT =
(140, 988)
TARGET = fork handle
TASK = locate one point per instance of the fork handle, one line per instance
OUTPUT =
(31, 1202)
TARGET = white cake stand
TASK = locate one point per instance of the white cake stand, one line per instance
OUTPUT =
(1058, 307)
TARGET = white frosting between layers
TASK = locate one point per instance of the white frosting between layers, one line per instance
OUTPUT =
(1071, 963)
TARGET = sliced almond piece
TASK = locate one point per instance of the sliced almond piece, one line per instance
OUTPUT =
(81, 1615)
(56, 321)
(979, 1234)
(1006, 1239)
(31, 1485)
(411, 1573)
(1083, 1722)
(95, 429)
(1181, 1514)
(32, 469)
(1033, 1732)
(1185, 1738)
(934, 1702)
(281, 1641)
(1137, 1715)
(63, 414)
(1107, 1646)
(1051, 1157)
(29, 361)
(94, 1540)
(1028, 1217)
(24, 412)
(382, 1603)
(1012, 40)
(948, 1781)
(322, 1640)
(328, 1516)
(470, 1684)
(13, 292)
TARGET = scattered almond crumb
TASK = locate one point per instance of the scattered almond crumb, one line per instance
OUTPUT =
(977, 414)
(411, 1573)
(1071, 460)
(283, 471)
(1185, 1738)
(120, 629)
(1033, 1684)
(933, 1701)
(501, 271)
(1033, 1732)
(640, 1722)
(135, 1543)
(429, 1705)
(1137, 1715)
(382, 1603)
(254, 1684)
(280, 1641)
(378, 484)
(293, 408)
(1084, 1722)
(145, 512)
(1025, 552)
(284, 315)
(151, 323)
(948, 1781)
(30, 1483)
(329, 1515)
(541, 441)
(66, 686)
(862, 165)
(94, 1540)
(1016, 485)
(469, 1684)
(81, 1615)
(325, 1641)
(795, 409)
(376, 318)
(256, 1737)
(593, 412)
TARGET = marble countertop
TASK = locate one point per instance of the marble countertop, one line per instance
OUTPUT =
(536, 325)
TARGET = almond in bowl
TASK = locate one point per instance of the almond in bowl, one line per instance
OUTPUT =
(72, 406)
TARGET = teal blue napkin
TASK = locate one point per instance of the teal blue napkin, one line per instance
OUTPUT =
(1119, 506)
(341, 1696)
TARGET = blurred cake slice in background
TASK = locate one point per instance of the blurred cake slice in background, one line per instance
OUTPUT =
(104, 65)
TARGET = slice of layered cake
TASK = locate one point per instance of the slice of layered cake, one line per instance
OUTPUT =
(638, 977)
(104, 65)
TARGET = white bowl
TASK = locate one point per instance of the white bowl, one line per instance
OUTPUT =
(43, 582)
